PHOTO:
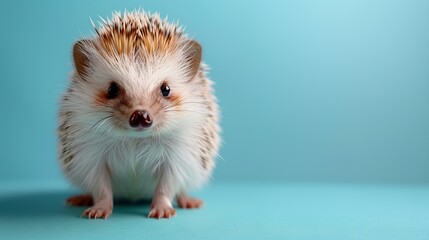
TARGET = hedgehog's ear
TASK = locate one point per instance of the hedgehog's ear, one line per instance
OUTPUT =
(193, 57)
(80, 57)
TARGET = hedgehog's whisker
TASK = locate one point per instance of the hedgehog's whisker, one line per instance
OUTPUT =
(102, 123)
(95, 124)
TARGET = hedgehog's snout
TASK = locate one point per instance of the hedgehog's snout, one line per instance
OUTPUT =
(140, 119)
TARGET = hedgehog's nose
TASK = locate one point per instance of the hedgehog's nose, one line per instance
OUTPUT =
(140, 118)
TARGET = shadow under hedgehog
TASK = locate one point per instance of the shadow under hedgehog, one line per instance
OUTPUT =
(139, 119)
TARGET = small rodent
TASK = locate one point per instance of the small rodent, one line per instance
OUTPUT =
(139, 119)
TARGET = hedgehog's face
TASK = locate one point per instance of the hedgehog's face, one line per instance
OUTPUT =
(140, 95)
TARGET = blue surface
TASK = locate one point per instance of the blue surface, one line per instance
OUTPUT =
(320, 90)
(232, 211)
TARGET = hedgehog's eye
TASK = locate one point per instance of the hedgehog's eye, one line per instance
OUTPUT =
(165, 90)
(113, 90)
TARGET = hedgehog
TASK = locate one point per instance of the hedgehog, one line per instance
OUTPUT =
(139, 119)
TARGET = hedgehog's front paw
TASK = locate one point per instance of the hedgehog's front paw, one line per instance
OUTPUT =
(98, 211)
(161, 209)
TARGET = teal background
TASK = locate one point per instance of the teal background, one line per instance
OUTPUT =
(325, 121)
(309, 90)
